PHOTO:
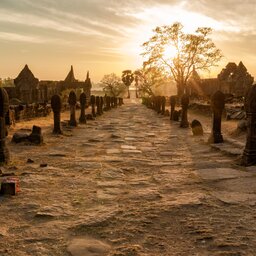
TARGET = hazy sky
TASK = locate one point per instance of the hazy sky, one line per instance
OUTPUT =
(105, 36)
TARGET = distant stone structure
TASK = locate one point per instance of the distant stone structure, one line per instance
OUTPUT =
(233, 79)
(28, 89)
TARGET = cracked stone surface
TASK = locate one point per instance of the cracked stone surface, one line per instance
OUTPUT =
(130, 183)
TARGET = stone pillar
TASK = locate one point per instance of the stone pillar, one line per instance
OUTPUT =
(56, 108)
(72, 105)
(108, 103)
(4, 106)
(163, 105)
(101, 105)
(82, 99)
(115, 102)
(93, 100)
(249, 154)
(112, 102)
(184, 112)
(159, 103)
(173, 103)
(97, 101)
(217, 104)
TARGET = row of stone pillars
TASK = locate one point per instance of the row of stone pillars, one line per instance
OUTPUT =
(98, 106)
(217, 105)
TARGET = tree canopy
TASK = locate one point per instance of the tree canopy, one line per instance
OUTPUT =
(177, 52)
(112, 85)
(148, 79)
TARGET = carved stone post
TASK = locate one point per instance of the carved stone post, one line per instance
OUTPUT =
(82, 99)
(249, 154)
(115, 102)
(4, 106)
(173, 103)
(56, 108)
(184, 112)
(72, 105)
(108, 103)
(217, 104)
(112, 102)
(93, 101)
(163, 101)
(101, 105)
(97, 101)
(159, 104)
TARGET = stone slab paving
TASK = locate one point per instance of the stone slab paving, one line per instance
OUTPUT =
(130, 183)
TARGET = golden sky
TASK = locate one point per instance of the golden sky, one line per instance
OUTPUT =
(105, 36)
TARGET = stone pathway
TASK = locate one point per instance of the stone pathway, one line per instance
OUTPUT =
(130, 183)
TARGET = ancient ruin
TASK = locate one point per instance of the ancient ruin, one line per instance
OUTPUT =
(28, 89)
(233, 80)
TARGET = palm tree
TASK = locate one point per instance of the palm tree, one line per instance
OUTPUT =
(127, 78)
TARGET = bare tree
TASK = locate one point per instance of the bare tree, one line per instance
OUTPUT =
(148, 79)
(112, 85)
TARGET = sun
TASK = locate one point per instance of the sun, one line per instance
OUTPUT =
(169, 52)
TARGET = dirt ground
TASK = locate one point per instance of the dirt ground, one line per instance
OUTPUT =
(129, 183)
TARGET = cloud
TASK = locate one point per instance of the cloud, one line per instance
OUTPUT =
(237, 13)
(112, 31)
(20, 38)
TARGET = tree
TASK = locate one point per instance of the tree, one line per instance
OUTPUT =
(112, 85)
(127, 78)
(148, 79)
(170, 48)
